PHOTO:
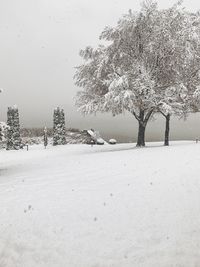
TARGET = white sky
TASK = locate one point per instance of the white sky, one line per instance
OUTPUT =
(40, 41)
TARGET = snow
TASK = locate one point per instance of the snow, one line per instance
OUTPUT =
(100, 206)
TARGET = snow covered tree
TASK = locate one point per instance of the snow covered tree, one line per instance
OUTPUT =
(63, 130)
(181, 73)
(59, 127)
(16, 128)
(45, 137)
(13, 133)
(1, 133)
(146, 54)
(56, 126)
(3, 129)
(173, 103)
(10, 131)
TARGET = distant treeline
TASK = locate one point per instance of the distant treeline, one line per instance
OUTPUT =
(37, 132)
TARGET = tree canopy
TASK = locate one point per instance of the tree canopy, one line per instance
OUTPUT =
(150, 63)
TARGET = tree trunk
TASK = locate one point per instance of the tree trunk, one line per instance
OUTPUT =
(142, 120)
(167, 130)
(141, 135)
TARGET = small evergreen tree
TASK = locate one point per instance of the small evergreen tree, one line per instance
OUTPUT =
(10, 130)
(1, 134)
(16, 127)
(59, 127)
(56, 126)
(13, 133)
(3, 129)
(45, 138)
(63, 130)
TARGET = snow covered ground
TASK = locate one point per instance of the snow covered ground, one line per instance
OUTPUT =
(100, 206)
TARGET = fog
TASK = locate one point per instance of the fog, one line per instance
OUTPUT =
(39, 49)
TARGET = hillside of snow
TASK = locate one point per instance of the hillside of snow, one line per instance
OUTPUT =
(100, 206)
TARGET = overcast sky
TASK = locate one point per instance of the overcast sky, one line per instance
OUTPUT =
(39, 45)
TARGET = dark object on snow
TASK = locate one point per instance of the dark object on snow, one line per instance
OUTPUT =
(24, 145)
(92, 142)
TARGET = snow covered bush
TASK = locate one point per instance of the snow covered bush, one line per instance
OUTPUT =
(112, 141)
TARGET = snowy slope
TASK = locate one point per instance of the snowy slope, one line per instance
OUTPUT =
(101, 206)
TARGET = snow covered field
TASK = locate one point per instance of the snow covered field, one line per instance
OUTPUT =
(101, 206)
